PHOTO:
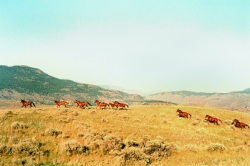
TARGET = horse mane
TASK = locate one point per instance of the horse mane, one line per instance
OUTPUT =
(236, 120)
(22, 100)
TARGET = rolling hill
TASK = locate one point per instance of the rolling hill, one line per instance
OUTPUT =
(23, 82)
(239, 101)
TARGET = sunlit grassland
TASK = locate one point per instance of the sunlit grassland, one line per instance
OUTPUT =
(196, 141)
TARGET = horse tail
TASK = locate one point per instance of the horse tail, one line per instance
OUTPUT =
(89, 103)
(247, 126)
(190, 115)
(127, 105)
(220, 120)
(33, 104)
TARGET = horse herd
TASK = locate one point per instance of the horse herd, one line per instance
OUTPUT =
(81, 104)
(118, 105)
(212, 119)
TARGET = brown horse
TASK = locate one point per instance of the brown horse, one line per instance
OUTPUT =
(183, 114)
(239, 124)
(69, 102)
(212, 119)
(113, 105)
(82, 104)
(102, 105)
(121, 105)
(59, 103)
(27, 103)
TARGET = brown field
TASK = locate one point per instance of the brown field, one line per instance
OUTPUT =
(141, 135)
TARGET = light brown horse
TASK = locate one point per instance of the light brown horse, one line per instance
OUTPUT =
(183, 114)
(212, 119)
(102, 105)
(69, 102)
(27, 103)
(82, 104)
(59, 103)
(239, 124)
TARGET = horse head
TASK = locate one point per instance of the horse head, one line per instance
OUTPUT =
(235, 121)
(178, 110)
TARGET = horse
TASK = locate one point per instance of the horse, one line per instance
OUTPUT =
(59, 103)
(113, 105)
(183, 114)
(27, 103)
(239, 124)
(69, 102)
(101, 104)
(212, 119)
(82, 104)
(121, 105)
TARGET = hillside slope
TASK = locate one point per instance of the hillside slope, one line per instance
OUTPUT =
(234, 100)
(23, 82)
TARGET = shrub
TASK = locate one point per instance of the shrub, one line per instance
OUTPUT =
(14, 140)
(72, 147)
(241, 148)
(52, 132)
(132, 155)
(144, 140)
(131, 143)
(28, 147)
(18, 125)
(9, 113)
(157, 148)
(5, 149)
(111, 142)
(216, 147)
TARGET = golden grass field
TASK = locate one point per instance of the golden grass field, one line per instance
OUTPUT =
(141, 135)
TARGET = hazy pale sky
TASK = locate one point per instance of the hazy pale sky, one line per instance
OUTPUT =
(148, 45)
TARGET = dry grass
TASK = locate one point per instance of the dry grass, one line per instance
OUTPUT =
(141, 135)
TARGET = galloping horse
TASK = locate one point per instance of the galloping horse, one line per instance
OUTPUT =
(101, 104)
(212, 119)
(113, 105)
(69, 102)
(27, 103)
(121, 105)
(239, 124)
(82, 104)
(183, 114)
(59, 103)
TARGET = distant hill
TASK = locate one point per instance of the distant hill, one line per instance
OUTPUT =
(239, 100)
(23, 82)
(129, 91)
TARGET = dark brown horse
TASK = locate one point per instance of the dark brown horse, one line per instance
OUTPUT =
(212, 119)
(82, 104)
(113, 105)
(121, 105)
(183, 114)
(59, 103)
(102, 105)
(27, 103)
(239, 124)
